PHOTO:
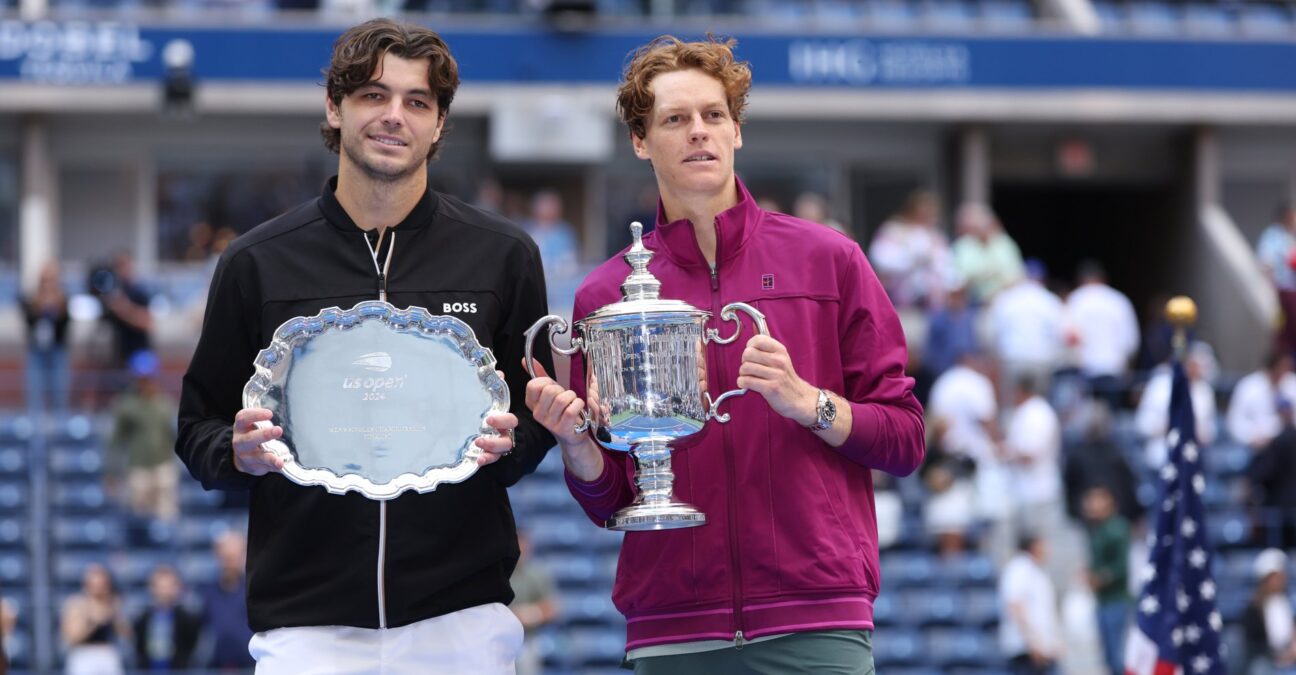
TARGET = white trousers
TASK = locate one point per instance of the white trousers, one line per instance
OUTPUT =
(482, 640)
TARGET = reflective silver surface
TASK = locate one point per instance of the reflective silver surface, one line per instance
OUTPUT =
(646, 384)
(376, 399)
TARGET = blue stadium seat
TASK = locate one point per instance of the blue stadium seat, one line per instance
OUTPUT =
(79, 494)
(948, 15)
(588, 608)
(14, 569)
(970, 570)
(892, 14)
(897, 647)
(198, 568)
(87, 532)
(1225, 460)
(72, 460)
(591, 646)
(1229, 528)
(902, 569)
(951, 647)
(13, 495)
(13, 461)
(198, 531)
(12, 532)
(194, 499)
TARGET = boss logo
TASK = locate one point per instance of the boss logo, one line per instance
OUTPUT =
(462, 307)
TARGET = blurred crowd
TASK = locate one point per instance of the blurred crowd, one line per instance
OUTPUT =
(1025, 374)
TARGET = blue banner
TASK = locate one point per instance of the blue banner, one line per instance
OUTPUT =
(82, 52)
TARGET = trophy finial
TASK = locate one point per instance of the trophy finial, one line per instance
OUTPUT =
(641, 284)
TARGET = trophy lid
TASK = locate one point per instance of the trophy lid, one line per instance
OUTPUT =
(640, 292)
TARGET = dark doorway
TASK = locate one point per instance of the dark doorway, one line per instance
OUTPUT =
(1130, 229)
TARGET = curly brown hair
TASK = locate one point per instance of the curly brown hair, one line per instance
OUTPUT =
(359, 51)
(667, 54)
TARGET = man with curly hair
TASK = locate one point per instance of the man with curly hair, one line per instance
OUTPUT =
(783, 575)
(340, 583)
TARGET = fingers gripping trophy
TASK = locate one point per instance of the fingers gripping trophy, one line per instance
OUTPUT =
(645, 367)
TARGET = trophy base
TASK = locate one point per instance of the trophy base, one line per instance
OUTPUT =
(645, 518)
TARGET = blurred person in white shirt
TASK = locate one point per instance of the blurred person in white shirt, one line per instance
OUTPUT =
(1104, 331)
(1025, 322)
(1030, 633)
(1032, 448)
(911, 255)
(1152, 420)
(1252, 416)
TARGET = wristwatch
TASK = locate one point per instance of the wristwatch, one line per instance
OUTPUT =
(825, 411)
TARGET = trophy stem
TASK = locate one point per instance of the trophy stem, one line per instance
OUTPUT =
(655, 507)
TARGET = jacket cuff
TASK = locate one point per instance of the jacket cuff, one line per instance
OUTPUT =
(864, 430)
(597, 488)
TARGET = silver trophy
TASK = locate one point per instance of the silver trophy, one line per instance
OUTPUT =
(645, 369)
(376, 399)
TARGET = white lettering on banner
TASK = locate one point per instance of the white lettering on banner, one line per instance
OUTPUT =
(863, 62)
(73, 52)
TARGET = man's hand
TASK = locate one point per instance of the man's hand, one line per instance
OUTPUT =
(767, 370)
(495, 447)
(559, 410)
(252, 428)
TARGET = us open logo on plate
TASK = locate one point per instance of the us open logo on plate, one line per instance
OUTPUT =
(378, 362)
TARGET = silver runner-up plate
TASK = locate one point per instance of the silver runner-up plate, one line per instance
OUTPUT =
(376, 399)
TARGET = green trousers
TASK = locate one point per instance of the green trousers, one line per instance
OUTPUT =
(843, 652)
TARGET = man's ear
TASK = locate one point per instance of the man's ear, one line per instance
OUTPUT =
(332, 114)
(640, 150)
(737, 135)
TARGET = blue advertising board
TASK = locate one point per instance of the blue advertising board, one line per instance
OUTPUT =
(81, 52)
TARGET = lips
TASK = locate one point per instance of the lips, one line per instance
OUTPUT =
(699, 157)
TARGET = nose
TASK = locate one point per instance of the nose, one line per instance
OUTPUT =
(697, 129)
(393, 114)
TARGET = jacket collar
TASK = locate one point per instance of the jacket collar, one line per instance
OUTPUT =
(734, 226)
(337, 216)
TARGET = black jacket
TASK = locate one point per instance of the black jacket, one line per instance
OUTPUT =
(312, 556)
(185, 626)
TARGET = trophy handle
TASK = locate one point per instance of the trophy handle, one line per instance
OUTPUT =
(577, 344)
(728, 313)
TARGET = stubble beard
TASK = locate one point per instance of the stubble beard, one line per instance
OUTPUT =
(356, 156)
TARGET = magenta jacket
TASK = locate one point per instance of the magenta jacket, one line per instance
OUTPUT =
(790, 542)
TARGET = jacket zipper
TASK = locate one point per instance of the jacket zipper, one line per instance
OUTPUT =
(730, 479)
(382, 505)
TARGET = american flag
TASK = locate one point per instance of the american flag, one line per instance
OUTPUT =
(1177, 625)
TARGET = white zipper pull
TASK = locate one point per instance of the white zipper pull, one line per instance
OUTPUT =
(739, 641)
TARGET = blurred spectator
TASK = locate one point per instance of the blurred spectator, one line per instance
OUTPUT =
(1157, 339)
(1103, 329)
(92, 624)
(1030, 633)
(1152, 420)
(490, 195)
(143, 441)
(201, 236)
(1097, 461)
(1032, 449)
(1025, 324)
(888, 507)
(1267, 624)
(951, 332)
(225, 605)
(963, 409)
(912, 257)
(1276, 250)
(1252, 416)
(642, 211)
(126, 307)
(950, 508)
(46, 311)
(556, 238)
(166, 633)
(1273, 482)
(813, 207)
(1109, 546)
(984, 255)
(534, 604)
